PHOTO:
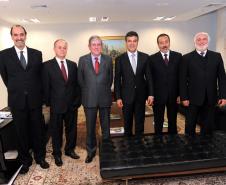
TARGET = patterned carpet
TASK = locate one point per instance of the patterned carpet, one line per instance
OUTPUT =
(77, 172)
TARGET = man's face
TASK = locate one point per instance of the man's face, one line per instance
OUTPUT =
(131, 43)
(60, 49)
(164, 44)
(201, 42)
(19, 37)
(95, 47)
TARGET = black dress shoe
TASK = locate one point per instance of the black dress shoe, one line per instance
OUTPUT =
(43, 164)
(72, 154)
(24, 169)
(58, 161)
(89, 158)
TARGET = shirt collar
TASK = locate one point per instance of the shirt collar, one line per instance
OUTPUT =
(199, 52)
(59, 60)
(130, 53)
(18, 50)
(93, 57)
(168, 53)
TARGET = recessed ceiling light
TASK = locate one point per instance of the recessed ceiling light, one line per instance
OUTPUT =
(92, 19)
(169, 18)
(104, 19)
(34, 20)
(162, 4)
(39, 6)
(4, 0)
(158, 18)
(24, 21)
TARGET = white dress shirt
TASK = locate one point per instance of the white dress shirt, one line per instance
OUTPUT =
(24, 53)
(65, 64)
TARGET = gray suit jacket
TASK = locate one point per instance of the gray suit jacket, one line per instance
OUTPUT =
(96, 89)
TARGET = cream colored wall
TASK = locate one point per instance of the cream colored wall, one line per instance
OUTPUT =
(42, 37)
(221, 33)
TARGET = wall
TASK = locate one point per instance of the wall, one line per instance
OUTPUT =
(221, 33)
(42, 37)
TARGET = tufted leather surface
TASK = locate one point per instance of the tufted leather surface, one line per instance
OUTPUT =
(122, 157)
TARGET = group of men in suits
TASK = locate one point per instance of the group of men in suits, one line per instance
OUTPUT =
(162, 80)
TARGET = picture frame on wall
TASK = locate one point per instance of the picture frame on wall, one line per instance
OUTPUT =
(113, 46)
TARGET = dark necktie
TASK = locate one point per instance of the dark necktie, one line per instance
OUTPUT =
(97, 65)
(22, 60)
(63, 70)
(166, 59)
(202, 54)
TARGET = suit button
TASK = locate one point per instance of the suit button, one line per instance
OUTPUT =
(25, 92)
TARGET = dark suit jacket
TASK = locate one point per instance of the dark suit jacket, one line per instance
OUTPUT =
(22, 83)
(197, 81)
(96, 89)
(61, 96)
(127, 85)
(165, 78)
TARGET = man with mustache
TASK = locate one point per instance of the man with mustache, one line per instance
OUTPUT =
(202, 85)
(20, 68)
(164, 69)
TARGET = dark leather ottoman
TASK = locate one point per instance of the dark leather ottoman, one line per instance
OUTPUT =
(156, 156)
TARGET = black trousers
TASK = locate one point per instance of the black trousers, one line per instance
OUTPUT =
(30, 130)
(136, 110)
(204, 113)
(159, 111)
(91, 117)
(57, 122)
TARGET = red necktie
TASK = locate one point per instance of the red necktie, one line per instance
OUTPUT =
(63, 70)
(166, 59)
(97, 64)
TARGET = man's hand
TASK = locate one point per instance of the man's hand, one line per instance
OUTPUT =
(119, 103)
(178, 100)
(185, 103)
(222, 102)
(150, 100)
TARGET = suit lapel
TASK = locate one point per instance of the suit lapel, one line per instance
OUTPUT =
(102, 63)
(57, 68)
(90, 63)
(15, 57)
(139, 62)
(29, 58)
(69, 68)
(127, 62)
(161, 60)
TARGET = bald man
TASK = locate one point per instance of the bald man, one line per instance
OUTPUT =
(202, 85)
(62, 94)
(20, 68)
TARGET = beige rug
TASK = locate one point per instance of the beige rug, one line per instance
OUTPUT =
(77, 172)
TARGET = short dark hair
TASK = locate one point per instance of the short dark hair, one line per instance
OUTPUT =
(11, 31)
(130, 34)
(162, 35)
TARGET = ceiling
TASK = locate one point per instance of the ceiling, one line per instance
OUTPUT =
(79, 11)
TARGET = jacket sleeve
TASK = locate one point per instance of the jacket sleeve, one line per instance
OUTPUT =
(46, 85)
(221, 78)
(80, 72)
(77, 101)
(117, 79)
(183, 81)
(149, 77)
(3, 70)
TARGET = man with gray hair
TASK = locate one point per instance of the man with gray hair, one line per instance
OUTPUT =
(95, 78)
(202, 85)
